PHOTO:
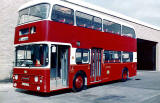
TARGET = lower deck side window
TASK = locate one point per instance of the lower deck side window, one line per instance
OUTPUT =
(127, 57)
(112, 56)
(82, 56)
(117, 56)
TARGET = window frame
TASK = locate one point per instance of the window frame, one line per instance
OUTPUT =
(130, 57)
(48, 15)
(101, 22)
(123, 34)
(110, 56)
(82, 51)
(92, 20)
(120, 32)
(73, 13)
(31, 47)
(82, 13)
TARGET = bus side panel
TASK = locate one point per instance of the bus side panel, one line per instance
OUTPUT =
(110, 72)
(88, 38)
(133, 69)
(113, 71)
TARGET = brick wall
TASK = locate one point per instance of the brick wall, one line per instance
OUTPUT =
(8, 21)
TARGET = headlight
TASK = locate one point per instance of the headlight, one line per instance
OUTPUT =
(40, 81)
(38, 88)
(15, 84)
(36, 79)
(16, 77)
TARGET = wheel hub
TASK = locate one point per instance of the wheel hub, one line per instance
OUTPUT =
(79, 82)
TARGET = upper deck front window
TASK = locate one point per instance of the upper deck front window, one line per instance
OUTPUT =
(34, 13)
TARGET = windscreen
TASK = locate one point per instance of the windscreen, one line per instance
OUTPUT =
(32, 55)
(33, 13)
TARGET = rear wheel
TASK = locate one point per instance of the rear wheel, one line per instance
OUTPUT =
(124, 75)
(78, 82)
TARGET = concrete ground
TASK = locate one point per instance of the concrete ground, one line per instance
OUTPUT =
(145, 88)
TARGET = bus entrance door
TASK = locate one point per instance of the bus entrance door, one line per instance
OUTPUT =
(59, 67)
(96, 65)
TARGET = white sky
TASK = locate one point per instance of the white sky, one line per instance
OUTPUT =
(144, 10)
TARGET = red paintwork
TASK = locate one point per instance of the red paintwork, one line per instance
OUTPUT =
(44, 74)
(59, 32)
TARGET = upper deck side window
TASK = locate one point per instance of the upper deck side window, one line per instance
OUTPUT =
(62, 14)
(34, 13)
(127, 31)
(97, 23)
(111, 27)
(84, 20)
(88, 21)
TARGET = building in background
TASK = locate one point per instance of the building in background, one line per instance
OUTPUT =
(8, 21)
(148, 46)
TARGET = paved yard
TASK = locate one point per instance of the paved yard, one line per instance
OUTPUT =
(146, 89)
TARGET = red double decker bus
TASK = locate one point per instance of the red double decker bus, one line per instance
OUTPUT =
(61, 44)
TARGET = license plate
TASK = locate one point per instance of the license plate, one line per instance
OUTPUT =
(25, 84)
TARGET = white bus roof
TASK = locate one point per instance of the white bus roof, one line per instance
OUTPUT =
(95, 8)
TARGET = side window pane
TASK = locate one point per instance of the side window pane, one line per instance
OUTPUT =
(24, 31)
(63, 14)
(112, 56)
(84, 20)
(126, 31)
(117, 56)
(97, 23)
(106, 56)
(85, 58)
(131, 56)
(82, 56)
(127, 57)
(111, 27)
(78, 56)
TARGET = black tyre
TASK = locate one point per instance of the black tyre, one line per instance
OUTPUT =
(78, 82)
(124, 75)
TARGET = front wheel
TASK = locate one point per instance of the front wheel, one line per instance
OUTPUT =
(78, 82)
(124, 75)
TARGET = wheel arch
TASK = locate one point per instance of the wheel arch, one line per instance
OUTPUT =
(83, 74)
(125, 68)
